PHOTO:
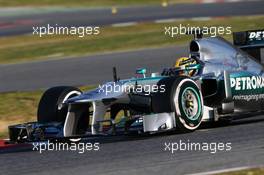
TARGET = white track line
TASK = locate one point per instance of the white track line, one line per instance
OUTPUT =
(169, 20)
(223, 171)
(209, 1)
(221, 1)
(201, 18)
(124, 24)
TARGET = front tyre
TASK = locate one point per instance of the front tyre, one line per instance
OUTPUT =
(50, 107)
(187, 104)
(183, 97)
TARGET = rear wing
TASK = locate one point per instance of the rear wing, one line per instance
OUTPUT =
(252, 42)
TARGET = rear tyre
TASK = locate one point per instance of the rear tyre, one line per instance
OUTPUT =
(50, 107)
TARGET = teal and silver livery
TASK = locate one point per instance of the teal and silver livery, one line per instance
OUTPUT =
(216, 81)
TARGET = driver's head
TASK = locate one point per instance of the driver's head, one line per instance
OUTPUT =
(183, 62)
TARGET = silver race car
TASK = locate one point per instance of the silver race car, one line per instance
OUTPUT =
(218, 80)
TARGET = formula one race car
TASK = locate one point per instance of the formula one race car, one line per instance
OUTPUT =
(217, 81)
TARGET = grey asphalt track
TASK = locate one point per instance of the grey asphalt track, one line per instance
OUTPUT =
(85, 70)
(147, 155)
(21, 24)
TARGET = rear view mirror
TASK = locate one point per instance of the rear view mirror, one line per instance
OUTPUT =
(141, 71)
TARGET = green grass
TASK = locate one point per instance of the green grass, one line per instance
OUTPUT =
(20, 107)
(82, 3)
(255, 171)
(17, 107)
(32, 48)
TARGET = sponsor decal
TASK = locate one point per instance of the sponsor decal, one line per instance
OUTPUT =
(247, 83)
(258, 35)
(255, 97)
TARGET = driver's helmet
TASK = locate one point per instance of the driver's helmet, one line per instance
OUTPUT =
(182, 62)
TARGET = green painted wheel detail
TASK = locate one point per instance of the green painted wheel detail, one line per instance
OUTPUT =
(182, 97)
(191, 103)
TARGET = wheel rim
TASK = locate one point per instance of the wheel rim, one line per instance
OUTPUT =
(191, 105)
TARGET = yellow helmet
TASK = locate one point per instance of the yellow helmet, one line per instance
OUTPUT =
(182, 62)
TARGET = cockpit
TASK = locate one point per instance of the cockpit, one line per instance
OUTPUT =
(213, 55)
(218, 55)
